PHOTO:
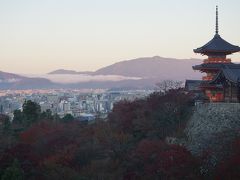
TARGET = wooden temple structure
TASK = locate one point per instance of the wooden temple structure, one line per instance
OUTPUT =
(222, 80)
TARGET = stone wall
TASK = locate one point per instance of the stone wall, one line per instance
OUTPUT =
(212, 126)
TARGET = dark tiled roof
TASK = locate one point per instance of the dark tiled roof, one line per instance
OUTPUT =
(210, 84)
(192, 85)
(212, 66)
(217, 45)
(230, 72)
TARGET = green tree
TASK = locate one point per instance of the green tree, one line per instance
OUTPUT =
(68, 118)
(6, 125)
(31, 112)
(18, 117)
(47, 115)
(1, 109)
(56, 117)
(14, 172)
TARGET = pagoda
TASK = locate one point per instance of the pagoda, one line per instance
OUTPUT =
(222, 79)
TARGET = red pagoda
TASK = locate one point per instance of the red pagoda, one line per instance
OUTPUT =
(222, 80)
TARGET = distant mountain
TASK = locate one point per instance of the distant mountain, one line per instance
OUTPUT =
(64, 71)
(13, 81)
(8, 77)
(148, 67)
(153, 67)
(150, 71)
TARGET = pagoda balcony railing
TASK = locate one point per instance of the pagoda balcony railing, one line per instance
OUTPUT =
(216, 60)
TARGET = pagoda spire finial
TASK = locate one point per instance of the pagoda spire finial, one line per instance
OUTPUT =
(217, 29)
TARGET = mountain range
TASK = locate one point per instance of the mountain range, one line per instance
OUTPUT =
(64, 71)
(147, 67)
(149, 71)
(14, 81)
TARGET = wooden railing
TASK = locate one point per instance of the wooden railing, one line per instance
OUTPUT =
(216, 60)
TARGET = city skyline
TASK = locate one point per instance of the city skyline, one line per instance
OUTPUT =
(38, 37)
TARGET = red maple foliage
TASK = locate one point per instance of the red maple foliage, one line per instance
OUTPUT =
(157, 159)
(230, 168)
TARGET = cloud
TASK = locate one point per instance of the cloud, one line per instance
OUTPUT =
(69, 78)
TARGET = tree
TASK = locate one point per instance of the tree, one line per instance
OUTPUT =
(166, 85)
(59, 172)
(56, 117)
(31, 112)
(154, 159)
(47, 115)
(6, 124)
(229, 168)
(18, 117)
(130, 145)
(14, 172)
(68, 118)
(159, 115)
(1, 108)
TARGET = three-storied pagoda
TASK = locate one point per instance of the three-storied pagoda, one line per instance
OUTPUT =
(222, 80)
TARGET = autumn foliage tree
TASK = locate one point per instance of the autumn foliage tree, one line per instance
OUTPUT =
(130, 145)
(156, 116)
(229, 168)
(153, 159)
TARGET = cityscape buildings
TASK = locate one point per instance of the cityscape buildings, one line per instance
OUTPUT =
(82, 105)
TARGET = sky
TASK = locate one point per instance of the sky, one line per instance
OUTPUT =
(38, 36)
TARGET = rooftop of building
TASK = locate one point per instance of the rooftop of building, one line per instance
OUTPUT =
(230, 72)
(217, 46)
(216, 66)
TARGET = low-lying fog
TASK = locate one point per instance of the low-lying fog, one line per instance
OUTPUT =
(77, 78)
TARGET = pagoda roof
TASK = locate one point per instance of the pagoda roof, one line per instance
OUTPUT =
(210, 85)
(217, 45)
(192, 85)
(214, 66)
(230, 72)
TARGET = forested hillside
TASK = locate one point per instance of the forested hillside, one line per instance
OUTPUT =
(130, 144)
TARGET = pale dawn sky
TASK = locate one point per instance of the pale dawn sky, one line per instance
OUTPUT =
(38, 36)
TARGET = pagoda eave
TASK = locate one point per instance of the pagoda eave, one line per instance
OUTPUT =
(215, 52)
(217, 46)
(204, 69)
(210, 87)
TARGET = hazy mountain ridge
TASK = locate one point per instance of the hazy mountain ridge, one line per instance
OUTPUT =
(153, 67)
(64, 71)
(4, 76)
(14, 81)
(150, 69)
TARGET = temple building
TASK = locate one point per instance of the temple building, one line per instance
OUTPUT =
(222, 80)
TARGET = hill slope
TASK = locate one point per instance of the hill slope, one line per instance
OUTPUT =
(149, 67)
(64, 71)
(150, 70)
(153, 67)
(13, 81)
